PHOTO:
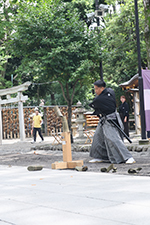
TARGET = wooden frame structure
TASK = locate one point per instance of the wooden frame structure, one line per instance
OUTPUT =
(20, 98)
(89, 134)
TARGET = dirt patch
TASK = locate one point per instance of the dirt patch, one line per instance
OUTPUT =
(25, 154)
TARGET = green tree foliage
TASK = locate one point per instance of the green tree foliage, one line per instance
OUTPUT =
(119, 43)
(3, 60)
(83, 7)
(147, 29)
(55, 45)
(5, 30)
(8, 62)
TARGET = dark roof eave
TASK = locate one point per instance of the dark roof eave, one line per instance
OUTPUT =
(133, 82)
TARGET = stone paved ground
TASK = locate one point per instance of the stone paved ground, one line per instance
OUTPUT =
(14, 152)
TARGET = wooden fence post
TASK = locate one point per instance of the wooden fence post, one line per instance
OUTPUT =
(21, 120)
(45, 121)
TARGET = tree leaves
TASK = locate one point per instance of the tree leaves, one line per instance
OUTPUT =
(119, 42)
(58, 39)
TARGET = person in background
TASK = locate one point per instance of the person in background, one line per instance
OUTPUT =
(124, 114)
(36, 126)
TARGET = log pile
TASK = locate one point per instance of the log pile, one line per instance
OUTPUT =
(10, 120)
(52, 123)
(28, 121)
(91, 121)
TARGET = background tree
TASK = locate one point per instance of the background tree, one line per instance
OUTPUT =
(8, 62)
(3, 60)
(119, 42)
(147, 29)
(55, 45)
(5, 30)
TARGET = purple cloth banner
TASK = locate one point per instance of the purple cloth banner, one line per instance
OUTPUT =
(146, 88)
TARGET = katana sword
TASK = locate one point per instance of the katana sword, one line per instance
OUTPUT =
(119, 128)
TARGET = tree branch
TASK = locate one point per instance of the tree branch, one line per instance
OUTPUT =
(67, 89)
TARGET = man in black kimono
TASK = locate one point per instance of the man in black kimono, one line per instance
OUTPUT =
(124, 114)
(107, 141)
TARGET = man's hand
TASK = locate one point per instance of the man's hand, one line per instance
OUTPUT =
(125, 119)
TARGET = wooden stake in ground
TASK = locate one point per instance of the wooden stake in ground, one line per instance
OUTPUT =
(66, 146)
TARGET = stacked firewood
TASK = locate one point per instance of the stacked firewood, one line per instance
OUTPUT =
(54, 124)
(91, 121)
(10, 120)
(28, 121)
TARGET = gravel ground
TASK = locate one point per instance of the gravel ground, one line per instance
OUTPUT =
(16, 153)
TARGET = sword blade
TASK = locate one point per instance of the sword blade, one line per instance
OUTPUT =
(119, 128)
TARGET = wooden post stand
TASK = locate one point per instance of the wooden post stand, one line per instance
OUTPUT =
(66, 147)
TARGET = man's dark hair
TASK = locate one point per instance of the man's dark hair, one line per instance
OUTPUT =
(100, 83)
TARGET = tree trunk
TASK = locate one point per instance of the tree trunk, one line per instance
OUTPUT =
(147, 29)
(69, 119)
(53, 98)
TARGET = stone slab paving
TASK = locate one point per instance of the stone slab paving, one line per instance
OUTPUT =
(68, 197)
